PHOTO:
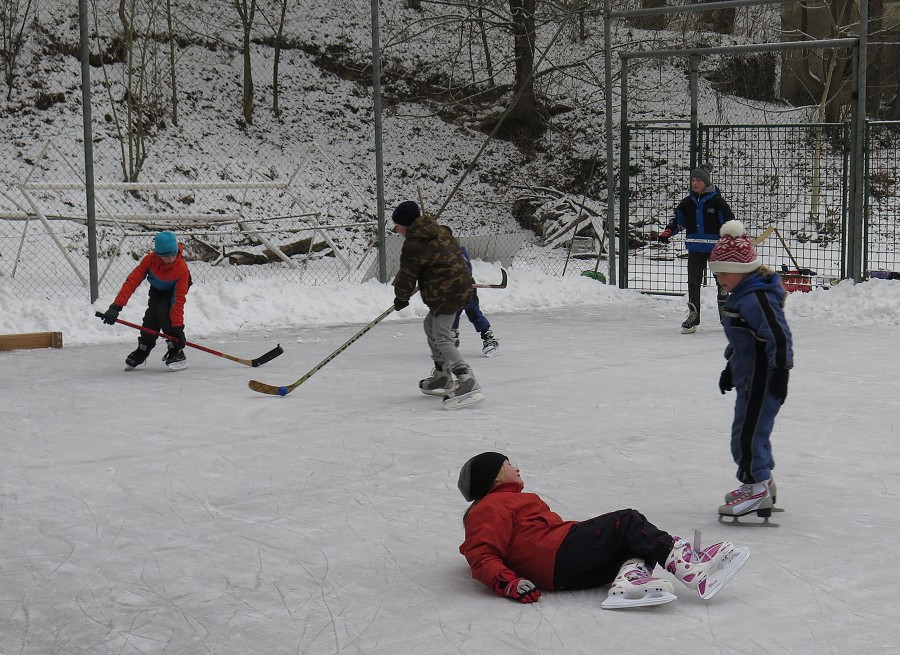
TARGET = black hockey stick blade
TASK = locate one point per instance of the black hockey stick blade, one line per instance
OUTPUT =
(267, 357)
(502, 284)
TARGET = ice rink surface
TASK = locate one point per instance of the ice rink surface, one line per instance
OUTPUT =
(149, 511)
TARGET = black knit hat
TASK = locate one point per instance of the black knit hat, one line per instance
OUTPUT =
(478, 474)
(703, 173)
(405, 213)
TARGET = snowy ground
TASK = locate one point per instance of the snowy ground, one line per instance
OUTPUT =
(158, 512)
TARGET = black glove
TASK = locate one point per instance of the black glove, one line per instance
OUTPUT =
(399, 304)
(726, 383)
(779, 383)
(111, 314)
(178, 333)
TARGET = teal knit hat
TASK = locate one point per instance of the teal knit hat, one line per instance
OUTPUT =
(165, 244)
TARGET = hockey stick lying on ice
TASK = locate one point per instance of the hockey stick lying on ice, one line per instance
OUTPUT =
(502, 284)
(259, 361)
(272, 390)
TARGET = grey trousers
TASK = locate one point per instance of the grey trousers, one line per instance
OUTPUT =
(439, 332)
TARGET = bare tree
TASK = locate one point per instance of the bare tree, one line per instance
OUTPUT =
(279, 36)
(136, 49)
(173, 78)
(247, 12)
(524, 111)
(14, 15)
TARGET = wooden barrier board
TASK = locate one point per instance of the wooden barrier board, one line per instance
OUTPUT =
(31, 340)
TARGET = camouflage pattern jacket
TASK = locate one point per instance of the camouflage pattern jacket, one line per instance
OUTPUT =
(431, 258)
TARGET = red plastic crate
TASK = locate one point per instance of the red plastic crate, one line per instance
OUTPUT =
(794, 281)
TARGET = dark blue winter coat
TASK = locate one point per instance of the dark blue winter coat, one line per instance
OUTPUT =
(759, 338)
(701, 217)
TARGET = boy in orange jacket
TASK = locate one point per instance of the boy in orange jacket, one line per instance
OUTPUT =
(169, 278)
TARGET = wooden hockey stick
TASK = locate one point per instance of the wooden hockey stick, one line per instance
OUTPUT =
(762, 236)
(272, 390)
(259, 361)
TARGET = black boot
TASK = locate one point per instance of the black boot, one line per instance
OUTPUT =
(693, 319)
(175, 357)
(138, 356)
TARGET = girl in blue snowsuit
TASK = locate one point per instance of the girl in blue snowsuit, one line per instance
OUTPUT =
(759, 357)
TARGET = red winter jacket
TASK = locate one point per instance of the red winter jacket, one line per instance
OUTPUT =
(513, 532)
(162, 276)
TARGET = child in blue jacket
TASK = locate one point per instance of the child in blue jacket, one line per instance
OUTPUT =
(700, 214)
(760, 356)
(489, 343)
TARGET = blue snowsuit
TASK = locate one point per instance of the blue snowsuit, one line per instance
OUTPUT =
(472, 309)
(759, 341)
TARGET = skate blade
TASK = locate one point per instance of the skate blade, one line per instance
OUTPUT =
(652, 598)
(458, 402)
(177, 366)
(690, 330)
(765, 523)
(491, 352)
(731, 564)
(435, 392)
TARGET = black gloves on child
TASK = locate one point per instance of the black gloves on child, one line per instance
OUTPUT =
(178, 333)
(779, 384)
(726, 383)
(111, 314)
(399, 304)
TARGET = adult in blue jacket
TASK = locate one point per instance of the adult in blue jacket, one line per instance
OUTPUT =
(700, 214)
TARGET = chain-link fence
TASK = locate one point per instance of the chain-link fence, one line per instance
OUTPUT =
(882, 233)
(253, 135)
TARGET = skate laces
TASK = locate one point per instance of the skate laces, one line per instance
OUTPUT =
(746, 493)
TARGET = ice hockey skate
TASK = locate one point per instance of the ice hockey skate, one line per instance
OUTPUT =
(754, 498)
(693, 319)
(706, 570)
(137, 356)
(174, 358)
(465, 392)
(634, 586)
(439, 383)
(490, 345)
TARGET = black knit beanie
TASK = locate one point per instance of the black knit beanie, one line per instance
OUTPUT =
(477, 475)
(405, 213)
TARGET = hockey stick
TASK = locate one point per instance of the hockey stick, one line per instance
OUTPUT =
(758, 239)
(272, 390)
(502, 284)
(762, 236)
(259, 361)
(800, 271)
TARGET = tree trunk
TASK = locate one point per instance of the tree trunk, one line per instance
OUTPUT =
(657, 22)
(278, 37)
(524, 112)
(247, 12)
(173, 78)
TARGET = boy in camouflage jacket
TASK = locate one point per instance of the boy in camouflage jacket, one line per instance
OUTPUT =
(431, 259)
